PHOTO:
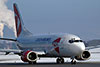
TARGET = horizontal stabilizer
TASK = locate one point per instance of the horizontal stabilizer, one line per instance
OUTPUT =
(8, 39)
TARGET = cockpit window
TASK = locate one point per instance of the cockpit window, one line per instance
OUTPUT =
(72, 41)
(78, 41)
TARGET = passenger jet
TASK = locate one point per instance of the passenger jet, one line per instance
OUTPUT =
(58, 45)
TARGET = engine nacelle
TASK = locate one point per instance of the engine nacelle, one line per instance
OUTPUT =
(29, 56)
(84, 56)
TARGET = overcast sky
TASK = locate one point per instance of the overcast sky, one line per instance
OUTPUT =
(79, 17)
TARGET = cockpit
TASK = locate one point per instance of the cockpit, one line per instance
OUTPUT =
(73, 41)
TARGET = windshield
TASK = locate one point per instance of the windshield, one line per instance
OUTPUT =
(72, 41)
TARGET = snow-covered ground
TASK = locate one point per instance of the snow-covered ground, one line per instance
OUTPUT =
(95, 57)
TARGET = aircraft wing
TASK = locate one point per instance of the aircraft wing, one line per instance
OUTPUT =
(15, 51)
(92, 47)
(92, 44)
(21, 49)
(18, 52)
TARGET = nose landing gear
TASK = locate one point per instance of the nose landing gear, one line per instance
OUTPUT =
(73, 60)
(60, 60)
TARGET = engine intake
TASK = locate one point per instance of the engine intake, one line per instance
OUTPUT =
(29, 56)
(84, 56)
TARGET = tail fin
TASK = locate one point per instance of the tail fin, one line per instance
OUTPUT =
(21, 31)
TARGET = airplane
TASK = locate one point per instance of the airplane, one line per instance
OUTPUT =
(59, 45)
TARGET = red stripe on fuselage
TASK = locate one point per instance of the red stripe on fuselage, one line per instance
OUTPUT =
(57, 40)
(55, 44)
(57, 49)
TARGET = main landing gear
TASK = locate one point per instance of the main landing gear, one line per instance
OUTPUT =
(60, 60)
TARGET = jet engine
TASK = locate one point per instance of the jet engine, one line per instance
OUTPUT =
(84, 56)
(29, 56)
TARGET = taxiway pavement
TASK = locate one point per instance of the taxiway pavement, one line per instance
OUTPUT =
(79, 64)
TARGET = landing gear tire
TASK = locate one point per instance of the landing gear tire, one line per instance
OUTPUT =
(73, 62)
(60, 60)
(32, 62)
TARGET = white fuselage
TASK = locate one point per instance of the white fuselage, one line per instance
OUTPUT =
(53, 44)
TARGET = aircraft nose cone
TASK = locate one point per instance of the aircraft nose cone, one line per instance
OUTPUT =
(81, 47)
